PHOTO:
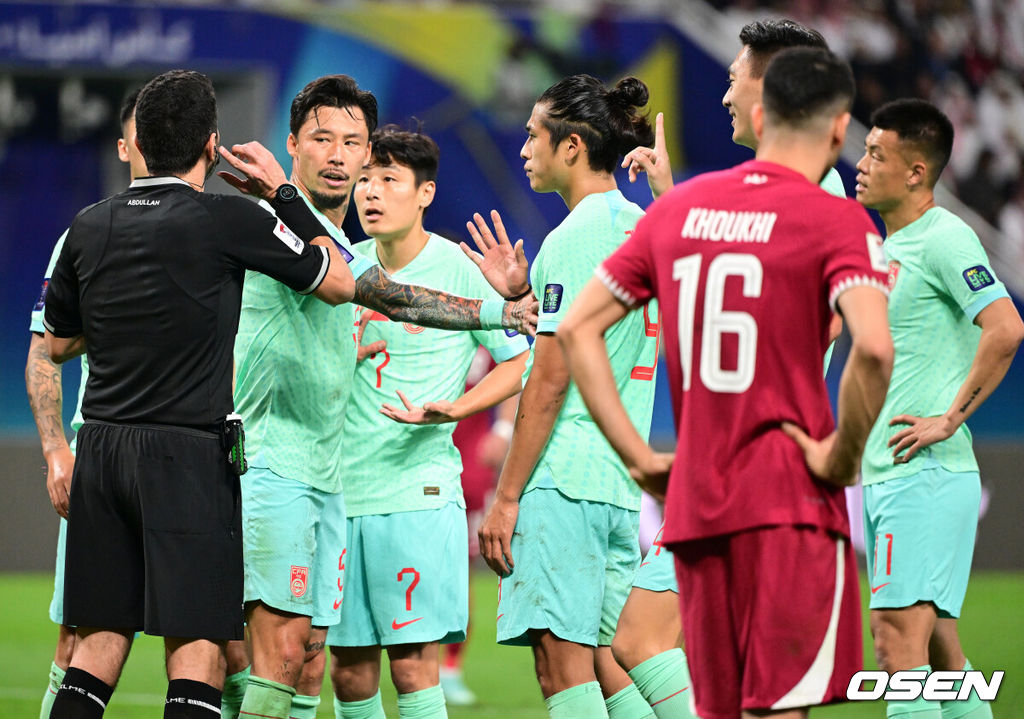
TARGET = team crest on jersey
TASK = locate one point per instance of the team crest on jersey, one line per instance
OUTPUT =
(875, 252)
(299, 580)
(894, 273)
(41, 302)
(552, 298)
(411, 328)
(978, 278)
(289, 238)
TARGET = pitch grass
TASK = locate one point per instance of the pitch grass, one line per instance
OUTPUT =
(992, 628)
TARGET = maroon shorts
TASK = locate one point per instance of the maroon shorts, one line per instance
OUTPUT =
(771, 618)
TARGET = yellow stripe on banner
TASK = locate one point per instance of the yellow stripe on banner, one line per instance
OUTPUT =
(659, 70)
(463, 46)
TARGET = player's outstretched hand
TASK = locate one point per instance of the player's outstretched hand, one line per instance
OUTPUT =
(825, 463)
(60, 464)
(261, 170)
(922, 432)
(521, 315)
(364, 351)
(430, 413)
(652, 160)
(502, 264)
(652, 474)
(495, 535)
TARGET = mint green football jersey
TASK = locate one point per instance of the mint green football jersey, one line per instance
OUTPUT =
(833, 185)
(391, 467)
(36, 325)
(577, 460)
(294, 359)
(940, 279)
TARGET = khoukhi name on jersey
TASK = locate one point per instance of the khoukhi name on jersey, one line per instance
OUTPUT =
(728, 226)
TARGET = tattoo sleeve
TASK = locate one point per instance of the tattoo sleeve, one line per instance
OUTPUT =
(418, 305)
(45, 395)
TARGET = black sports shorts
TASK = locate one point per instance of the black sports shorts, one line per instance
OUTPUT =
(154, 533)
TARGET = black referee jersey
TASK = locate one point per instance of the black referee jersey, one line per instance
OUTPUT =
(152, 277)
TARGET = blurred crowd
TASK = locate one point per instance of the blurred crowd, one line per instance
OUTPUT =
(966, 56)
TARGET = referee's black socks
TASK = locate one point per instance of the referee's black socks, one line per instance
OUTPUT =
(81, 696)
(188, 699)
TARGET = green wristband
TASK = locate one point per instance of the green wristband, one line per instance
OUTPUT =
(491, 312)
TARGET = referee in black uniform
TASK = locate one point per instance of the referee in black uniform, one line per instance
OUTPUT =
(150, 280)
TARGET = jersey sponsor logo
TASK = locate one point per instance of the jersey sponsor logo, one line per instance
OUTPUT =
(344, 252)
(289, 238)
(431, 491)
(894, 273)
(728, 226)
(910, 684)
(755, 179)
(552, 298)
(396, 625)
(142, 203)
(978, 278)
(299, 580)
(41, 302)
(875, 252)
(411, 328)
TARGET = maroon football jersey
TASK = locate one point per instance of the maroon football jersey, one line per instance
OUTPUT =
(747, 265)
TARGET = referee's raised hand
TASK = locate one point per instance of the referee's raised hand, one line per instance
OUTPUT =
(262, 172)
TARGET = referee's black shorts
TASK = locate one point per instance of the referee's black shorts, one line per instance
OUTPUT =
(154, 533)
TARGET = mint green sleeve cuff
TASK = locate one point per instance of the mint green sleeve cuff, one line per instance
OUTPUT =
(491, 312)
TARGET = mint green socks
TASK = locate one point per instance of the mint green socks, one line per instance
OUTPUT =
(971, 708)
(365, 709)
(233, 693)
(266, 699)
(628, 704)
(916, 709)
(664, 682)
(424, 704)
(583, 701)
(56, 677)
(304, 706)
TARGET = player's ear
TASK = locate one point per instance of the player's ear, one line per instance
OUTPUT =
(292, 145)
(426, 192)
(122, 149)
(573, 147)
(918, 174)
(211, 147)
(839, 127)
(757, 119)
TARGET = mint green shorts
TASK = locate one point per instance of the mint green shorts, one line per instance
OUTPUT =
(574, 567)
(657, 573)
(919, 531)
(406, 579)
(57, 602)
(293, 541)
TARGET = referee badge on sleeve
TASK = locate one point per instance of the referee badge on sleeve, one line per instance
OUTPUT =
(978, 278)
(289, 238)
(41, 302)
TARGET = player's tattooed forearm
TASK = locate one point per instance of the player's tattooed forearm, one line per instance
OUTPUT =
(45, 396)
(970, 400)
(314, 647)
(419, 305)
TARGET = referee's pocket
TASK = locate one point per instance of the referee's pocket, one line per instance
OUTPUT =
(173, 495)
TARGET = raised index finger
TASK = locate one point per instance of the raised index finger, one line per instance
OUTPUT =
(659, 130)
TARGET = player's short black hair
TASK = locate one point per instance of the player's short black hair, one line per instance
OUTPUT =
(174, 117)
(922, 125)
(767, 37)
(802, 83)
(607, 120)
(131, 98)
(332, 91)
(409, 148)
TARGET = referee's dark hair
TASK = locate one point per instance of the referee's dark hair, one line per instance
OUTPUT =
(803, 83)
(332, 91)
(921, 125)
(412, 149)
(174, 118)
(767, 37)
(128, 104)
